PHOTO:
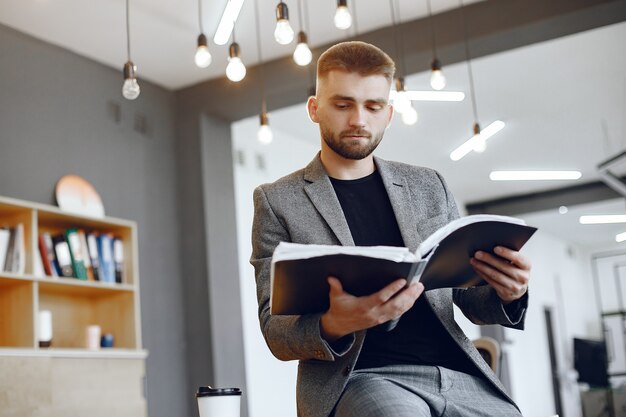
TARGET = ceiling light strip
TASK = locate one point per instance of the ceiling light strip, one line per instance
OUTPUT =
(476, 140)
(431, 95)
(534, 175)
(227, 22)
(603, 219)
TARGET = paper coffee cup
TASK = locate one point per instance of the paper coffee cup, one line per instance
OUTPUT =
(219, 402)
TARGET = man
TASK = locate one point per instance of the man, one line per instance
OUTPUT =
(350, 366)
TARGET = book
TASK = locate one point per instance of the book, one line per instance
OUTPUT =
(5, 235)
(299, 272)
(18, 264)
(8, 258)
(48, 259)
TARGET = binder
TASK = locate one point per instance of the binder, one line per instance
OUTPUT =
(5, 236)
(118, 258)
(76, 254)
(85, 254)
(92, 245)
(62, 252)
(105, 250)
(48, 259)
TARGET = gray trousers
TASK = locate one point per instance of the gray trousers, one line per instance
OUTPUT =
(420, 391)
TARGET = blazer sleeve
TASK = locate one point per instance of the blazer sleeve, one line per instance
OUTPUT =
(481, 305)
(288, 337)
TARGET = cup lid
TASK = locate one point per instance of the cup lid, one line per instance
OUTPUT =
(208, 391)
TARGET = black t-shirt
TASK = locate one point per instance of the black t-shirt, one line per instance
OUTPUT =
(419, 337)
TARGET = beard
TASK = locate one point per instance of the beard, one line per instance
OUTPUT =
(355, 149)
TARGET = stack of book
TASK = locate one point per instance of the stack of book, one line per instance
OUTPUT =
(88, 256)
(12, 250)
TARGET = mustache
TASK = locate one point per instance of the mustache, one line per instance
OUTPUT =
(359, 132)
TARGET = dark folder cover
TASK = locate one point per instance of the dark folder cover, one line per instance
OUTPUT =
(300, 286)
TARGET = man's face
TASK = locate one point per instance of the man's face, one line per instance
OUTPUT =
(352, 111)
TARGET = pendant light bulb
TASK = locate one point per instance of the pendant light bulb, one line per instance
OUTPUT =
(410, 116)
(236, 70)
(283, 32)
(265, 135)
(480, 144)
(203, 56)
(401, 101)
(302, 55)
(343, 19)
(437, 79)
(130, 88)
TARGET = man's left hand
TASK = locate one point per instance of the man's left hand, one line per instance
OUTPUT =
(508, 272)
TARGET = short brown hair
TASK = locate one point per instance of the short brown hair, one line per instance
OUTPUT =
(355, 56)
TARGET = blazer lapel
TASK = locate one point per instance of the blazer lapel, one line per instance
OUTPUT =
(401, 202)
(323, 197)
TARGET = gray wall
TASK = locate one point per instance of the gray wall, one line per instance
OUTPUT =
(54, 120)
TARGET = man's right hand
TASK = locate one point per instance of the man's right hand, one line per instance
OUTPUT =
(348, 314)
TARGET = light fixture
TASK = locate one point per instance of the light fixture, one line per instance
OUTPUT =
(620, 237)
(416, 95)
(563, 210)
(130, 88)
(479, 138)
(534, 175)
(203, 56)
(283, 32)
(437, 79)
(264, 134)
(343, 19)
(235, 70)
(302, 55)
(401, 102)
(602, 219)
(227, 22)
(410, 116)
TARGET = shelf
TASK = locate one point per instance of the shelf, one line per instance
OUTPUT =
(74, 286)
(108, 353)
(16, 301)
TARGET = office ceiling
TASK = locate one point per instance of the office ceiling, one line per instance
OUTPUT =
(564, 100)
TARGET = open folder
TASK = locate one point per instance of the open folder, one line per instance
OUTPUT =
(299, 272)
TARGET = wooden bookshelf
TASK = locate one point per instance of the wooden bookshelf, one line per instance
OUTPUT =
(67, 378)
(74, 304)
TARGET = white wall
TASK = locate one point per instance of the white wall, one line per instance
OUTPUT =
(270, 382)
(561, 279)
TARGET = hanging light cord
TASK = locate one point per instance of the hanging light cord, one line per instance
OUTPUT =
(432, 29)
(258, 47)
(399, 57)
(469, 64)
(200, 16)
(354, 21)
(308, 27)
(300, 16)
(127, 31)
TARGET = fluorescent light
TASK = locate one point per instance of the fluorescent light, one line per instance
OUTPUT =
(620, 237)
(534, 175)
(477, 141)
(229, 17)
(431, 95)
(603, 219)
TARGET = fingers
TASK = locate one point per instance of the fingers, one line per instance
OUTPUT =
(508, 272)
(387, 292)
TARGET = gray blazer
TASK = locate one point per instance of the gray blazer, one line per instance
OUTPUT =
(303, 208)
